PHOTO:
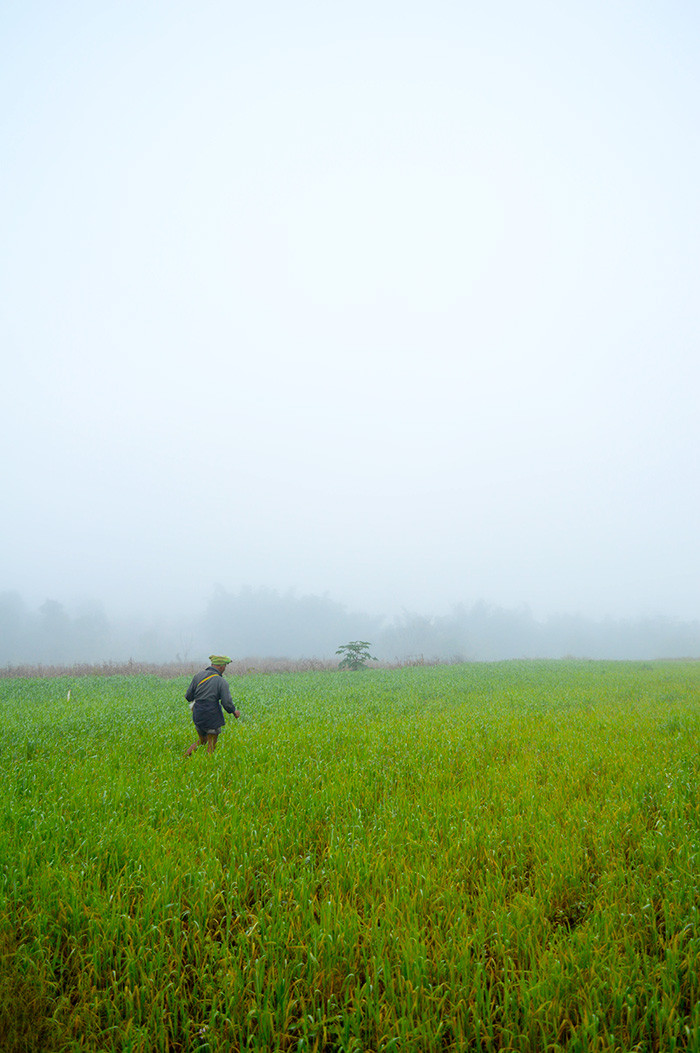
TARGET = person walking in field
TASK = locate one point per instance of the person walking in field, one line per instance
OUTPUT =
(207, 693)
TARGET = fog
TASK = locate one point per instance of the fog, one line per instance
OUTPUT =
(385, 313)
(258, 624)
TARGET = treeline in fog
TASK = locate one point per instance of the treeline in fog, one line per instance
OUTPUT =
(266, 623)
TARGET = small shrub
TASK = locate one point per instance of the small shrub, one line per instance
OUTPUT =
(355, 655)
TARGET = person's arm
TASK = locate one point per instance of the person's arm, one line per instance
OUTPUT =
(226, 700)
(189, 693)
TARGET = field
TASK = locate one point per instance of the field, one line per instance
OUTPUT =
(470, 857)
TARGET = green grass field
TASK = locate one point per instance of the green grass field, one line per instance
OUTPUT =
(471, 857)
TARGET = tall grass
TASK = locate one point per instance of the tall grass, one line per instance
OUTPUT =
(167, 670)
(440, 858)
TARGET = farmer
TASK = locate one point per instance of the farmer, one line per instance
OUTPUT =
(207, 693)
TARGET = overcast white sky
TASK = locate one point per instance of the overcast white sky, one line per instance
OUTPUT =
(392, 301)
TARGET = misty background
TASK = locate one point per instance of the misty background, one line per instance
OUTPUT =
(311, 309)
(266, 623)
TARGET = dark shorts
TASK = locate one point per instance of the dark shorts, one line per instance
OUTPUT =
(203, 732)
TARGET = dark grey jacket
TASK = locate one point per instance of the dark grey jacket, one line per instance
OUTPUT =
(209, 692)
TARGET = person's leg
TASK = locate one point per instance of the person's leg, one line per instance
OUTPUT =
(201, 741)
(211, 742)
